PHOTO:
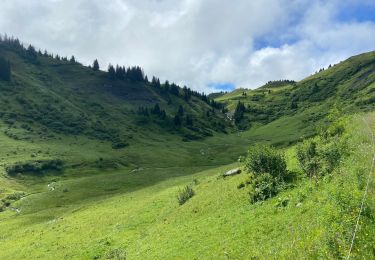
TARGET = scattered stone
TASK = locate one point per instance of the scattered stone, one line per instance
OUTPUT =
(232, 172)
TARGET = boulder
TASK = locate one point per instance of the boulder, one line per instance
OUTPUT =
(232, 172)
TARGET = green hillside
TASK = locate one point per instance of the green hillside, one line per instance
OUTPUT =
(349, 85)
(92, 163)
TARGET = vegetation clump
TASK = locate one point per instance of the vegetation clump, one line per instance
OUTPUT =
(34, 167)
(321, 155)
(185, 194)
(15, 195)
(268, 172)
(4, 69)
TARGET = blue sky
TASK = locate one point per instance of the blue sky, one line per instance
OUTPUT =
(208, 45)
(358, 11)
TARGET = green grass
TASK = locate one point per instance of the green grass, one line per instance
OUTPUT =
(125, 200)
(145, 220)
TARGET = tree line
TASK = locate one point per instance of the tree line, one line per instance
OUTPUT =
(179, 119)
(29, 53)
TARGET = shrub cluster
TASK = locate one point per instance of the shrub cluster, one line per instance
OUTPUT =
(321, 155)
(268, 172)
(34, 167)
(10, 198)
(185, 194)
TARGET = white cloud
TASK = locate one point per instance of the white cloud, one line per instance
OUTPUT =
(193, 42)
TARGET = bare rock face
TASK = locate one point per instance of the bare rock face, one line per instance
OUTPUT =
(232, 172)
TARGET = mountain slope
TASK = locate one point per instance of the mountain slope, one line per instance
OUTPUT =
(349, 86)
(124, 161)
(58, 96)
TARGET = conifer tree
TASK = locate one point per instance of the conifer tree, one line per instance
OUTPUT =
(180, 111)
(95, 65)
(111, 72)
(4, 69)
(189, 120)
(239, 112)
(177, 120)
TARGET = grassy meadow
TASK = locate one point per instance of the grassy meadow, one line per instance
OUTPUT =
(142, 219)
(91, 167)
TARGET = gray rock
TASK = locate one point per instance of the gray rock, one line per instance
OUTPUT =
(232, 172)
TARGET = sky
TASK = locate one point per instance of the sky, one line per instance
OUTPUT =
(208, 45)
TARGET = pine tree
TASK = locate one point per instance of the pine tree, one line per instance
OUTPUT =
(180, 111)
(239, 112)
(166, 85)
(72, 60)
(156, 110)
(4, 69)
(174, 89)
(186, 93)
(189, 120)
(31, 54)
(177, 120)
(155, 82)
(95, 65)
(111, 72)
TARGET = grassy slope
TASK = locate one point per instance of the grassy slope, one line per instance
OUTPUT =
(217, 223)
(109, 203)
(349, 85)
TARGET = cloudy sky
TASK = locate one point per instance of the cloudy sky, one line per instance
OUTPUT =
(208, 45)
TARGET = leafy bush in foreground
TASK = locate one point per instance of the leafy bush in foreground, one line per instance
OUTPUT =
(185, 194)
(266, 159)
(268, 172)
(263, 186)
(307, 157)
(321, 155)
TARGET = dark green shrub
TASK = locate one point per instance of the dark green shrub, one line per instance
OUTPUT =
(34, 167)
(320, 156)
(263, 186)
(269, 172)
(119, 144)
(15, 195)
(185, 194)
(331, 153)
(307, 157)
(266, 159)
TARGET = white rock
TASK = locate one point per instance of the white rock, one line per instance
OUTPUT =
(232, 172)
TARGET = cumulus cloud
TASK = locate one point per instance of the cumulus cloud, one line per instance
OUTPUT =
(203, 44)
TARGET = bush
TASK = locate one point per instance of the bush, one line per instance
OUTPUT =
(331, 154)
(266, 159)
(16, 195)
(185, 194)
(119, 144)
(320, 156)
(263, 186)
(307, 157)
(269, 172)
(34, 167)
